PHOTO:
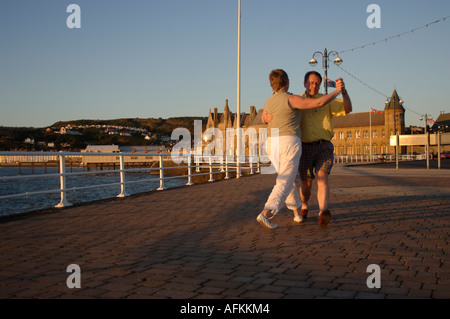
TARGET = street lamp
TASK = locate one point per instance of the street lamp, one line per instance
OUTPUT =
(325, 64)
(425, 118)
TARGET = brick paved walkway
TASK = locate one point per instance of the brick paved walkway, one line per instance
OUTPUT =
(203, 241)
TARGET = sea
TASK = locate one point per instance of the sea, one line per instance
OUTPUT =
(20, 205)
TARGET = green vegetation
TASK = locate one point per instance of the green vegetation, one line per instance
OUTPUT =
(122, 132)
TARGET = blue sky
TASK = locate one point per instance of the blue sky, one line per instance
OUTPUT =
(172, 58)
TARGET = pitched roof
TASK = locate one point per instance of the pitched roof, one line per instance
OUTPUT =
(443, 119)
(358, 119)
(394, 102)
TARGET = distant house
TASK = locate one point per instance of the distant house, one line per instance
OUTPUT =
(68, 131)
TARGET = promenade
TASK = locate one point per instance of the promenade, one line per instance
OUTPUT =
(203, 241)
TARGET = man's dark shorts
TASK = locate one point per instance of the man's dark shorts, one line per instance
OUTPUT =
(317, 156)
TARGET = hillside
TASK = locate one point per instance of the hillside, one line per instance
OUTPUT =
(95, 132)
(159, 125)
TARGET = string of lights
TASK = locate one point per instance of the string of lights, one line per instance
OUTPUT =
(381, 41)
(373, 89)
(395, 36)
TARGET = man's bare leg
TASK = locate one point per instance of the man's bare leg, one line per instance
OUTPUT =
(305, 193)
(323, 190)
(323, 194)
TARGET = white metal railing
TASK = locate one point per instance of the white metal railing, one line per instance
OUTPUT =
(214, 164)
(375, 158)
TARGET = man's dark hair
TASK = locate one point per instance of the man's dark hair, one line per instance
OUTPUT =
(313, 72)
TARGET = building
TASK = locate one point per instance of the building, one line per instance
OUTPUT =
(115, 160)
(442, 123)
(102, 149)
(359, 133)
(228, 119)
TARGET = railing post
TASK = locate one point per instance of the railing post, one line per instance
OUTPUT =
(122, 177)
(62, 178)
(258, 165)
(197, 160)
(189, 171)
(226, 167)
(251, 164)
(211, 179)
(221, 164)
(161, 173)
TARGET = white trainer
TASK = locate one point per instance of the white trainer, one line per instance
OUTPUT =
(298, 219)
(263, 220)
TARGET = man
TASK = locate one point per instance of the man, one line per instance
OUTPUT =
(317, 150)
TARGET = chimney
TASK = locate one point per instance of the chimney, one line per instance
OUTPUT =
(252, 114)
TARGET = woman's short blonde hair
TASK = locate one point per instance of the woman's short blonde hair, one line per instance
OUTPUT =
(278, 79)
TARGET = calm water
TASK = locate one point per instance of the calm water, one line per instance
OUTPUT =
(30, 203)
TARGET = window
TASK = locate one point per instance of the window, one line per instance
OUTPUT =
(374, 134)
(374, 149)
(366, 134)
(366, 149)
(357, 134)
(383, 134)
(349, 150)
(349, 134)
(341, 135)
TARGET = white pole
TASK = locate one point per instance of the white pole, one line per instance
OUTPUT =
(370, 134)
(238, 122)
(122, 177)
(62, 171)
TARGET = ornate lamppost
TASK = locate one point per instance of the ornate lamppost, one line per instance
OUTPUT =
(325, 64)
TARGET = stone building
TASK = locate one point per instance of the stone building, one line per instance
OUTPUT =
(356, 133)
(228, 120)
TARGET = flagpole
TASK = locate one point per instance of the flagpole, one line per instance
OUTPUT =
(370, 133)
(238, 120)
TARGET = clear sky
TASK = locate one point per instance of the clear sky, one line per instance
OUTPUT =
(148, 58)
